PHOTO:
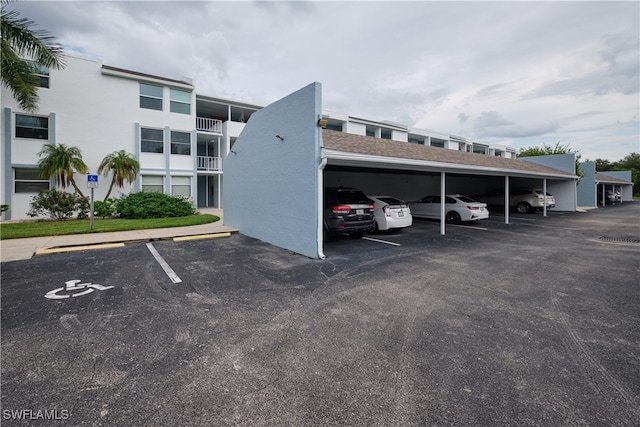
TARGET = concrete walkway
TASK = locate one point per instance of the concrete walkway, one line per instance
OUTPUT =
(21, 249)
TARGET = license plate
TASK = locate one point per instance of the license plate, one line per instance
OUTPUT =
(400, 213)
(359, 211)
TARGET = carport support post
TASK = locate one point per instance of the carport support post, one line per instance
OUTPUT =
(506, 199)
(443, 177)
(544, 197)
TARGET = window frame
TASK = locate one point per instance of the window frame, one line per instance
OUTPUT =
(175, 178)
(41, 71)
(32, 128)
(147, 140)
(177, 145)
(147, 176)
(29, 181)
(176, 104)
(151, 98)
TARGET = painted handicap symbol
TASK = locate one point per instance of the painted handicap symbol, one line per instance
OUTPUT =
(75, 285)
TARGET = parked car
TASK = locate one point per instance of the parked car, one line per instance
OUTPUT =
(610, 197)
(522, 200)
(347, 211)
(390, 213)
(458, 208)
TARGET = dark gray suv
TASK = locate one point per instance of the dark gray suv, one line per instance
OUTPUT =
(347, 211)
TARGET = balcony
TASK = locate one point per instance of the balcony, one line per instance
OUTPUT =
(209, 125)
(209, 164)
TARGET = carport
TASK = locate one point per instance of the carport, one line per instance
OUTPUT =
(408, 171)
(275, 175)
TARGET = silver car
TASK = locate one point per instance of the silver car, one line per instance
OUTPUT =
(522, 200)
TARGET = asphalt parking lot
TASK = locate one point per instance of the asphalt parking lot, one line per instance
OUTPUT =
(531, 323)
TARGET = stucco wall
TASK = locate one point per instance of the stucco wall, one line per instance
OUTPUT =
(587, 185)
(270, 186)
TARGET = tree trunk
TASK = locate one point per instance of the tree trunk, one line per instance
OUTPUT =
(73, 182)
(108, 191)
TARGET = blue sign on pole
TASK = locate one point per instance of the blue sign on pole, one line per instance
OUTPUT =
(92, 181)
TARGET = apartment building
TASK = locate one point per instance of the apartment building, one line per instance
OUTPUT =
(179, 137)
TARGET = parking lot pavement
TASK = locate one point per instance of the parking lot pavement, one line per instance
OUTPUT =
(531, 323)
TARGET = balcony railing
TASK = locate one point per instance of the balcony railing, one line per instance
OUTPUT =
(206, 163)
(209, 125)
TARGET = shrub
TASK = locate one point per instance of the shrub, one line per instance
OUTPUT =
(104, 208)
(4, 208)
(152, 205)
(59, 204)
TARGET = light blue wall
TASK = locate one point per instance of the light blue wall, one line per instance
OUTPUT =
(563, 162)
(270, 186)
(587, 185)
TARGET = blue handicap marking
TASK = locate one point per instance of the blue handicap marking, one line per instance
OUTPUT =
(92, 178)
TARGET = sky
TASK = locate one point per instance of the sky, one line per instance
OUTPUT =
(520, 74)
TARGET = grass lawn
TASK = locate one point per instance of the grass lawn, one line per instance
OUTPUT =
(19, 230)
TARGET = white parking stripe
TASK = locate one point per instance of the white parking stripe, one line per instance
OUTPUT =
(382, 241)
(172, 274)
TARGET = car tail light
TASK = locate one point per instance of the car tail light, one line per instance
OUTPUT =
(472, 208)
(341, 209)
(371, 208)
(386, 211)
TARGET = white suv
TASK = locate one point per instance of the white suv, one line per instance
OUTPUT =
(523, 200)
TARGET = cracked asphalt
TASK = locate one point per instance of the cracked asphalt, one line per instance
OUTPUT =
(533, 323)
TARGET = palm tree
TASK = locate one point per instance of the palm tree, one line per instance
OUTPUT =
(60, 162)
(122, 165)
(18, 41)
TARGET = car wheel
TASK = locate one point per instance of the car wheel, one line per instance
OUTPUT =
(376, 230)
(453, 218)
(523, 207)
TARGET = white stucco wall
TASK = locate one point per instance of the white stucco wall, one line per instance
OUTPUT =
(271, 185)
(97, 113)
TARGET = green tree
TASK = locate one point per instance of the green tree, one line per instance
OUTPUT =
(20, 41)
(60, 162)
(631, 162)
(122, 165)
(546, 150)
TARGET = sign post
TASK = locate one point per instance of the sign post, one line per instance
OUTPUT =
(92, 182)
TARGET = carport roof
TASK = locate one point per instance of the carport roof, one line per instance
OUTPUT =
(606, 179)
(345, 149)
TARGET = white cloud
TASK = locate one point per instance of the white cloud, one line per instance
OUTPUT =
(522, 73)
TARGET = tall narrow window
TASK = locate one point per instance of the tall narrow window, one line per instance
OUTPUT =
(151, 140)
(180, 101)
(181, 143)
(151, 97)
(153, 183)
(33, 127)
(27, 180)
(181, 186)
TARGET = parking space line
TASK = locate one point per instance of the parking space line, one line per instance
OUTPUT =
(468, 227)
(172, 274)
(381, 241)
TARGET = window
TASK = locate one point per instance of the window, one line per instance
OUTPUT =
(180, 101)
(32, 127)
(181, 186)
(181, 143)
(27, 181)
(41, 71)
(152, 140)
(153, 183)
(150, 97)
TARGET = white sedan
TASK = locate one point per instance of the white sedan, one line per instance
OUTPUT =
(390, 213)
(457, 208)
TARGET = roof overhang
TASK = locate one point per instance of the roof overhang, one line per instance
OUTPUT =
(343, 158)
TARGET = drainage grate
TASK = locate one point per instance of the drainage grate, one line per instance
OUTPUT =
(619, 239)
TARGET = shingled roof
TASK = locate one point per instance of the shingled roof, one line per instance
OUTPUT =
(366, 145)
(607, 179)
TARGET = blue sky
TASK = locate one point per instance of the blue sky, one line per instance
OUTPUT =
(515, 73)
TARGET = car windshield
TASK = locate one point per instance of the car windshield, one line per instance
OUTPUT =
(352, 198)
